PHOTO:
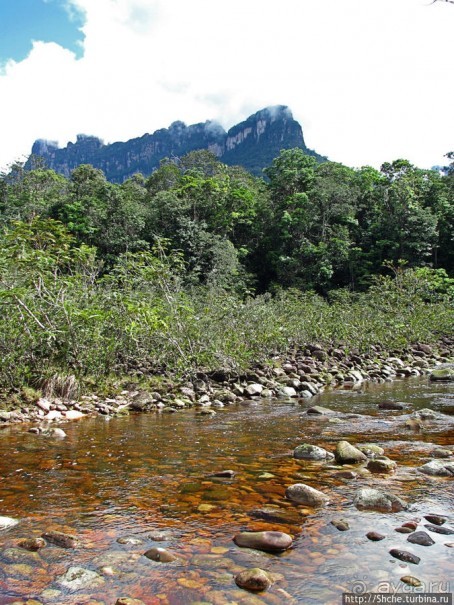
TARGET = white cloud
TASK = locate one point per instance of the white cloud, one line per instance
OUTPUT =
(368, 79)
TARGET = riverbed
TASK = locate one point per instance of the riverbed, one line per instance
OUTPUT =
(147, 480)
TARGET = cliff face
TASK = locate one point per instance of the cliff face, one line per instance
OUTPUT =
(252, 144)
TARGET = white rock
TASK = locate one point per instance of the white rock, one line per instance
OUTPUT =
(7, 522)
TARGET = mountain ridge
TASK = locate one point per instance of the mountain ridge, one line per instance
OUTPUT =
(253, 144)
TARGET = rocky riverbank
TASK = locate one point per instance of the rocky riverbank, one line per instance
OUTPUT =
(303, 373)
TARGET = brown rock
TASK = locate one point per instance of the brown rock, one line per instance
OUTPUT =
(255, 579)
(268, 541)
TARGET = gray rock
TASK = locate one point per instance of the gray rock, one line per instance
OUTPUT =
(436, 529)
(268, 541)
(306, 451)
(7, 522)
(437, 468)
(287, 392)
(318, 410)
(254, 389)
(255, 579)
(131, 540)
(371, 450)
(441, 452)
(304, 494)
(79, 578)
(390, 405)
(340, 524)
(420, 537)
(346, 453)
(372, 499)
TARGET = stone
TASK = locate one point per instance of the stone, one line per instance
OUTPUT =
(132, 540)
(390, 405)
(306, 451)
(413, 424)
(161, 555)
(438, 468)
(287, 392)
(79, 578)
(318, 410)
(128, 601)
(404, 555)
(255, 579)
(440, 452)
(411, 581)
(346, 453)
(375, 536)
(32, 544)
(227, 473)
(436, 519)
(371, 450)
(442, 375)
(60, 539)
(276, 515)
(304, 494)
(381, 465)
(55, 433)
(340, 524)
(346, 475)
(404, 530)
(426, 414)
(420, 537)
(373, 499)
(20, 556)
(7, 522)
(268, 541)
(74, 415)
(254, 389)
(436, 529)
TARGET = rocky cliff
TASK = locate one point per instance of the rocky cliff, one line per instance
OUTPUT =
(252, 144)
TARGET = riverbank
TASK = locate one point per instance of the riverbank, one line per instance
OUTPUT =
(302, 373)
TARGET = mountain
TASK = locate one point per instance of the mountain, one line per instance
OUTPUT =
(253, 144)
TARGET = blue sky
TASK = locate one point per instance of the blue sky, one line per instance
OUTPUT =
(368, 80)
(22, 21)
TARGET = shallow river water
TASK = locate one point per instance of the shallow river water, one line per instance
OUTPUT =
(148, 476)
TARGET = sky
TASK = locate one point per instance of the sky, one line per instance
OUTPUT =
(370, 81)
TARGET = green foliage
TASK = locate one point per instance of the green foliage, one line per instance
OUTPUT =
(98, 278)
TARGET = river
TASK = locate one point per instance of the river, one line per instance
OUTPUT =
(149, 476)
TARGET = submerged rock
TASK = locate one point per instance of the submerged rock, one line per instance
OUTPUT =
(255, 579)
(78, 578)
(340, 524)
(318, 410)
(373, 499)
(60, 539)
(32, 544)
(128, 601)
(161, 555)
(304, 494)
(346, 453)
(269, 541)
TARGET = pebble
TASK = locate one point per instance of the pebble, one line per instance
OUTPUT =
(341, 525)
(268, 541)
(420, 537)
(435, 519)
(160, 555)
(375, 536)
(305, 494)
(405, 556)
(436, 529)
(411, 581)
(255, 579)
